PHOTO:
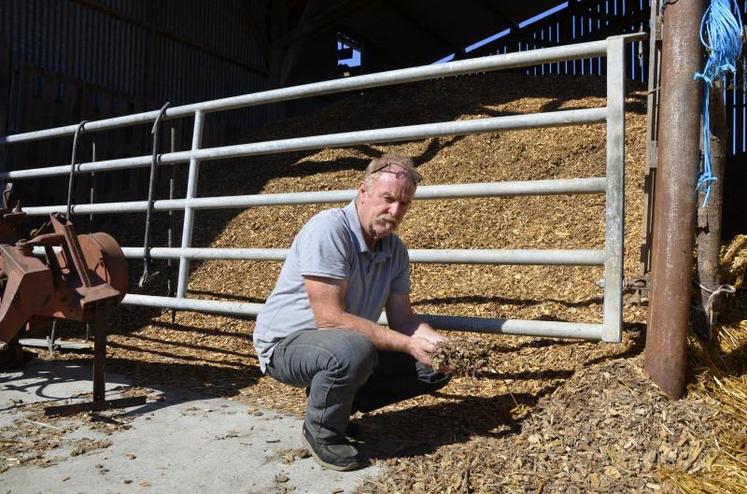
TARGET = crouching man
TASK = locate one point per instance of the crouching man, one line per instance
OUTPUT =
(318, 328)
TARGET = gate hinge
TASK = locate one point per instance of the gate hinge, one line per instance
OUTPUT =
(638, 285)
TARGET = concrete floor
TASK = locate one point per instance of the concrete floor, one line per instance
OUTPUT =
(177, 442)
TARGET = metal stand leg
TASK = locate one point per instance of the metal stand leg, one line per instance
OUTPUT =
(51, 338)
(99, 353)
(99, 376)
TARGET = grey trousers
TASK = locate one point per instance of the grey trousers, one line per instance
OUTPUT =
(345, 373)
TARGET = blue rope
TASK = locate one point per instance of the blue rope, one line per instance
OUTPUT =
(721, 33)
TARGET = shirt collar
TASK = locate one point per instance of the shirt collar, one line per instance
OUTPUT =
(384, 245)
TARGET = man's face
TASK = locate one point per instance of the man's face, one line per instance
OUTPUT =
(382, 206)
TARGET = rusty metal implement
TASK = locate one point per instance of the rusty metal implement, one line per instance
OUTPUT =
(80, 278)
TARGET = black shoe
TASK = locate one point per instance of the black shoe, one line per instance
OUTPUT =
(341, 456)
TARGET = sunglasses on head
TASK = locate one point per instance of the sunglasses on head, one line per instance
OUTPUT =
(411, 174)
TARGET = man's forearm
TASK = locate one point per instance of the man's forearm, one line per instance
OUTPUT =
(413, 325)
(382, 338)
(420, 347)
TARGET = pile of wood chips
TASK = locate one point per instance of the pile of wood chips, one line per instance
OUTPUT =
(720, 371)
(537, 414)
(462, 357)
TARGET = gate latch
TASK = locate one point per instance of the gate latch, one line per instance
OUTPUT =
(638, 285)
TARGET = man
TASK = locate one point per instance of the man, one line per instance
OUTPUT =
(318, 328)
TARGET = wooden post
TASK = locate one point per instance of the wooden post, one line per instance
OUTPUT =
(709, 220)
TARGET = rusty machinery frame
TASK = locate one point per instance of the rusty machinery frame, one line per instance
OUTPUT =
(79, 278)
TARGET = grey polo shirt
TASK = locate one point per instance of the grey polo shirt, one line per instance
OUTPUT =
(331, 245)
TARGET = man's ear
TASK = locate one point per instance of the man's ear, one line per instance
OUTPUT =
(362, 188)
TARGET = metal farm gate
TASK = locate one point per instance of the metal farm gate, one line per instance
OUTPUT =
(613, 50)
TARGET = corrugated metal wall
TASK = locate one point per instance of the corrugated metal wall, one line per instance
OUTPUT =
(581, 20)
(178, 50)
(588, 20)
(109, 46)
(73, 60)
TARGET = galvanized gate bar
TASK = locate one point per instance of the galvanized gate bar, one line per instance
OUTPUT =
(615, 197)
(390, 134)
(564, 257)
(559, 257)
(593, 185)
(559, 329)
(193, 175)
(193, 304)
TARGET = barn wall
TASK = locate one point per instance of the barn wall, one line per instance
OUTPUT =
(63, 61)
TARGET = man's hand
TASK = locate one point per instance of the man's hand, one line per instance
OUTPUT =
(422, 349)
(426, 332)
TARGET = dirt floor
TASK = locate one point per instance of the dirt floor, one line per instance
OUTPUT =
(536, 414)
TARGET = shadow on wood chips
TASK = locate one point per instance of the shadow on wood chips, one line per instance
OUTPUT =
(422, 430)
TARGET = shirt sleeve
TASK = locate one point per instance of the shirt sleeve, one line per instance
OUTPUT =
(324, 249)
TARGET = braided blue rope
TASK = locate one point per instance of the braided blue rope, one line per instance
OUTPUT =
(721, 34)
